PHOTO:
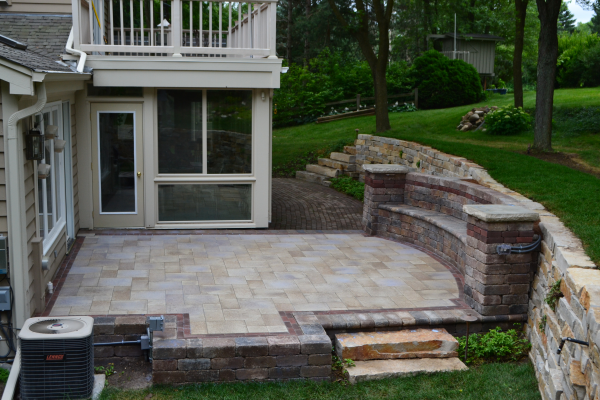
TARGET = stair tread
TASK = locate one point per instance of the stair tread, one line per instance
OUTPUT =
(381, 369)
(403, 344)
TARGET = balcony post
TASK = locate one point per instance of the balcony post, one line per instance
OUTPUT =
(272, 30)
(176, 27)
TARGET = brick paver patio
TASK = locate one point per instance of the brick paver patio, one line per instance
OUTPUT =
(304, 205)
(240, 283)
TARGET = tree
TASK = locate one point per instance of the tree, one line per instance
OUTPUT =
(520, 16)
(366, 21)
(595, 22)
(566, 19)
(546, 72)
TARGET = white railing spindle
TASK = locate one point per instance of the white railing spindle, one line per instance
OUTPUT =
(91, 13)
(191, 24)
(131, 41)
(142, 22)
(210, 40)
(112, 24)
(229, 25)
(201, 30)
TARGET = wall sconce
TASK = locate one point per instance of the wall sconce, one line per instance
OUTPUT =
(43, 171)
(34, 143)
(51, 131)
(59, 145)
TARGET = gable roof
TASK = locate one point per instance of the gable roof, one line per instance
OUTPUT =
(45, 35)
(474, 36)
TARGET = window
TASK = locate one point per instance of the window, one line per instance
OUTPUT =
(51, 190)
(182, 136)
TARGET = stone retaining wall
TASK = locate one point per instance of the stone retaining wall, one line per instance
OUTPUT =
(575, 374)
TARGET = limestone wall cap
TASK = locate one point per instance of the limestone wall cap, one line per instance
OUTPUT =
(500, 213)
(385, 168)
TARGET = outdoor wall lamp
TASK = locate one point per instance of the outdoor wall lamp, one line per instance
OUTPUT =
(34, 143)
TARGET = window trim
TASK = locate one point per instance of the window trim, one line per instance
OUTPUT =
(59, 193)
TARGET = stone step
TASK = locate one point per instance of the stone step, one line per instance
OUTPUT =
(413, 343)
(350, 150)
(381, 369)
(347, 158)
(342, 166)
(312, 177)
(323, 170)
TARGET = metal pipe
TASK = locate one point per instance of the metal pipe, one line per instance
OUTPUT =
(123, 342)
(13, 377)
(569, 339)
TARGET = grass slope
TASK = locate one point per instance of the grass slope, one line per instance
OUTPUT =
(487, 382)
(573, 196)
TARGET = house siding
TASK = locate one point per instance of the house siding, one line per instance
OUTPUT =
(37, 7)
(3, 220)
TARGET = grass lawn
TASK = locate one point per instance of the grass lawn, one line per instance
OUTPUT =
(572, 195)
(490, 381)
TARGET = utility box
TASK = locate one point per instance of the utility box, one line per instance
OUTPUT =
(4, 298)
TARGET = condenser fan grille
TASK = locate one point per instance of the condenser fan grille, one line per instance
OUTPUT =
(56, 326)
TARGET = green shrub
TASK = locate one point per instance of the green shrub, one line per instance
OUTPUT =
(347, 185)
(494, 346)
(579, 60)
(507, 120)
(443, 82)
(4, 375)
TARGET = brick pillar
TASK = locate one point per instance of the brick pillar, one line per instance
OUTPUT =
(498, 284)
(384, 183)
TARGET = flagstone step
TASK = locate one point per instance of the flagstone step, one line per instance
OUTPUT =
(350, 150)
(404, 344)
(323, 170)
(341, 165)
(381, 369)
(312, 177)
(343, 157)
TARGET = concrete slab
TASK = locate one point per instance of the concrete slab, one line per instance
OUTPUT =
(408, 343)
(382, 369)
(99, 383)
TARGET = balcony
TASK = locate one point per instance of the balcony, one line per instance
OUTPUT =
(175, 28)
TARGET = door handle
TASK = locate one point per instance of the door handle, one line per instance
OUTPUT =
(139, 174)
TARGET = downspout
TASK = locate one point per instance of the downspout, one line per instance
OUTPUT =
(16, 205)
(71, 50)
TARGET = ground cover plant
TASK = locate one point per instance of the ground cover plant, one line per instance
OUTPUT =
(570, 194)
(486, 382)
(494, 346)
(351, 187)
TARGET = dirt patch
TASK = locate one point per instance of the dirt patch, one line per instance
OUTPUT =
(571, 160)
(131, 374)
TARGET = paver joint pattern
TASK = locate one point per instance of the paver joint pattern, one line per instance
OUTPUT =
(243, 284)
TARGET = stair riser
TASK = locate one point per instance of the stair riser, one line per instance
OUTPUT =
(381, 369)
(347, 158)
(350, 150)
(321, 170)
(327, 162)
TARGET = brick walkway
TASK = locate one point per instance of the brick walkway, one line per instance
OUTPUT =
(304, 205)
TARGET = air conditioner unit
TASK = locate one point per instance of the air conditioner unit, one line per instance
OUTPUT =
(57, 358)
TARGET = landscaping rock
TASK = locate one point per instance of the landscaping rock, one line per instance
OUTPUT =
(474, 118)
(381, 369)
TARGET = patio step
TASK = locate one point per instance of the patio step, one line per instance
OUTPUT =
(341, 165)
(350, 150)
(413, 343)
(312, 177)
(343, 157)
(323, 170)
(381, 369)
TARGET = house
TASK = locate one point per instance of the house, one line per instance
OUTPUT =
(156, 115)
(477, 49)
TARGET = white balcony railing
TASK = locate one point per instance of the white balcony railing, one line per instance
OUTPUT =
(217, 28)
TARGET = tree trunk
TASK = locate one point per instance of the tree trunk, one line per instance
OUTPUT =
(289, 33)
(546, 72)
(521, 13)
(382, 118)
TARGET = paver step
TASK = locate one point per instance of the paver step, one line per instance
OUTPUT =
(381, 369)
(347, 158)
(343, 166)
(409, 343)
(350, 150)
(312, 177)
(323, 170)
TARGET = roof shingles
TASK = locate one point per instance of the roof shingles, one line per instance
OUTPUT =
(45, 35)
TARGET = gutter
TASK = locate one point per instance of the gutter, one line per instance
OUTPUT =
(13, 377)
(71, 50)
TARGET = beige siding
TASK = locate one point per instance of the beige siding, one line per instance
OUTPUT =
(38, 7)
(3, 221)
